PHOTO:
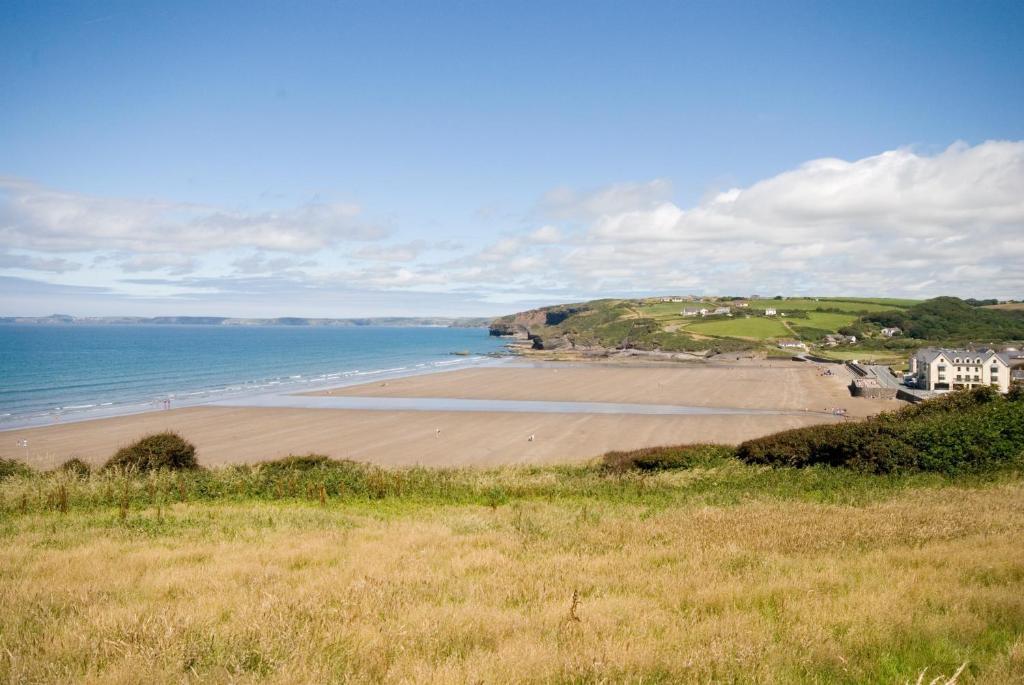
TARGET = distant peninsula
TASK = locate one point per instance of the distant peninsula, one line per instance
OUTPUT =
(397, 321)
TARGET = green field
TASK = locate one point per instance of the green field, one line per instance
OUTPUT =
(741, 327)
(851, 305)
(667, 310)
(826, 320)
(876, 303)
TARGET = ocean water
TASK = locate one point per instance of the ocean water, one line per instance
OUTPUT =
(60, 373)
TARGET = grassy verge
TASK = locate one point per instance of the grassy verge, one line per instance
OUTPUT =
(318, 571)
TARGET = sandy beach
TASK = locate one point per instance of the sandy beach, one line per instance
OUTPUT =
(250, 434)
(749, 384)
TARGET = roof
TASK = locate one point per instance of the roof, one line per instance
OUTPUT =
(930, 354)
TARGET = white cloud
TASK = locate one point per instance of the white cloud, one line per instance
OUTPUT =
(28, 262)
(38, 218)
(260, 263)
(898, 222)
(567, 204)
(546, 235)
(174, 264)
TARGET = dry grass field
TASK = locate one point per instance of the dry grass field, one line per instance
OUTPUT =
(727, 573)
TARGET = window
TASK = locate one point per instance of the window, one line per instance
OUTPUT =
(995, 370)
(958, 376)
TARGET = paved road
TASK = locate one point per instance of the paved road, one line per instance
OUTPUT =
(884, 376)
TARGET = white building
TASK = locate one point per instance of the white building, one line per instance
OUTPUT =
(770, 311)
(891, 332)
(722, 310)
(943, 369)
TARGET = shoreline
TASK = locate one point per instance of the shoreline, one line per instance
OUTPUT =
(487, 415)
(211, 396)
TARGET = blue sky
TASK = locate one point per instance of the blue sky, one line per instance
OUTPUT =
(352, 158)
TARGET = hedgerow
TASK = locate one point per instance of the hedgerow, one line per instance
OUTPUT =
(965, 431)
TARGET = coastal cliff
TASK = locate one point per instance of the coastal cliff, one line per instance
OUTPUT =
(603, 326)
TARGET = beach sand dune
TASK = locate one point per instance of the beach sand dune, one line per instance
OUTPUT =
(249, 434)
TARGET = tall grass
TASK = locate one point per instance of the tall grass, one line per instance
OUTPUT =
(653, 477)
(566, 589)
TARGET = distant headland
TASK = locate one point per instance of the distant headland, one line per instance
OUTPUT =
(66, 319)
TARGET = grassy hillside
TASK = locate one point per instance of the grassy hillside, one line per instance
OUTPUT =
(716, 572)
(651, 324)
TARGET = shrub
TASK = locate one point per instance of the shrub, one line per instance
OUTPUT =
(306, 462)
(159, 451)
(13, 467)
(664, 458)
(973, 430)
(75, 467)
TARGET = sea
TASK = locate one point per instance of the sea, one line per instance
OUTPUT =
(57, 373)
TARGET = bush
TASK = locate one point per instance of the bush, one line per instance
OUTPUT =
(664, 458)
(75, 467)
(967, 431)
(306, 462)
(13, 467)
(159, 451)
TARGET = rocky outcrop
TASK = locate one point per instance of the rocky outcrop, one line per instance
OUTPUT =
(523, 325)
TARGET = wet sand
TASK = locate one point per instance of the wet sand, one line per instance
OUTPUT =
(743, 384)
(251, 434)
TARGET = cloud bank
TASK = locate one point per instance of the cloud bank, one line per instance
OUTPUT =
(895, 223)
(900, 223)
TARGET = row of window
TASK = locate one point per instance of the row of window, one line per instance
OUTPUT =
(942, 369)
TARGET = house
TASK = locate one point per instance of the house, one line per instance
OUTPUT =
(833, 339)
(891, 332)
(787, 343)
(722, 311)
(941, 369)
(689, 311)
(770, 311)
(742, 304)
